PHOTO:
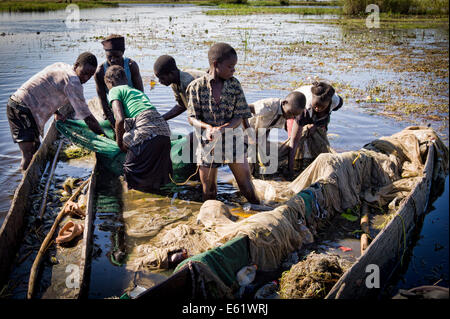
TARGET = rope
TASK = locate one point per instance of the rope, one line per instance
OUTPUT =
(354, 161)
(186, 181)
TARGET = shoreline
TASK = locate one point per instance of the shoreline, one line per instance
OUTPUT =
(333, 7)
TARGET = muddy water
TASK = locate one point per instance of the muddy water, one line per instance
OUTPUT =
(277, 53)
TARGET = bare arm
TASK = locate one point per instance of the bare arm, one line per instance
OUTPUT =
(293, 144)
(101, 92)
(199, 124)
(120, 120)
(252, 108)
(245, 124)
(174, 112)
(235, 122)
(93, 125)
(136, 76)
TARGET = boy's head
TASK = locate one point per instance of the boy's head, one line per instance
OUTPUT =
(223, 58)
(166, 70)
(322, 93)
(114, 46)
(115, 76)
(293, 104)
(85, 66)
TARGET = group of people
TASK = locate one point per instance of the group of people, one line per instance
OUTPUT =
(215, 104)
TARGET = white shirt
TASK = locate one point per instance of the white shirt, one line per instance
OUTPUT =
(306, 90)
(51, 88)
(266, 111)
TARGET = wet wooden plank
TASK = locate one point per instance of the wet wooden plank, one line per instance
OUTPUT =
(86, 252)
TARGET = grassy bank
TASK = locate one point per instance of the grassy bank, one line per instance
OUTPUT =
(415, 7)
(346, 7)
(390, 21)
(245, 9)
(42, 6)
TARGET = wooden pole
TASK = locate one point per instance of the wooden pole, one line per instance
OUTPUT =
(45, 243)
(365, 226)
(50, 177)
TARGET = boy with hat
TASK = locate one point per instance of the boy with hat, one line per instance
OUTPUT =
(114, 46)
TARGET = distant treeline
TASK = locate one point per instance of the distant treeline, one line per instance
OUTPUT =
(354, 7)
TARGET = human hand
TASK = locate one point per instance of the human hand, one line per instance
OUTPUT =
(60, 117)
(309, 130)
(212, 132)
(123, 147)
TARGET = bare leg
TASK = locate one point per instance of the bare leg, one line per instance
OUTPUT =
(27, 149)
(208, 177)
(241, 172)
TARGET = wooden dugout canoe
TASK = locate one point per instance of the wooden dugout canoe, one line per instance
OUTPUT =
(385, 251)
(13, 227)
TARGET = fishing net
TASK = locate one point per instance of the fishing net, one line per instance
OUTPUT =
(313, 277)
(79, 133)
(110, 154)
(383, 171)
(386, 169)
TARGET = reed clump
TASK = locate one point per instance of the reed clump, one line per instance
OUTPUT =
(408, 7)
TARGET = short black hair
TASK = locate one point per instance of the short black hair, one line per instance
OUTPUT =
(113, 36)
(164, 64)
(86, 58)
(116, 75)
(322, 90)
(220, 52)
(297, 100)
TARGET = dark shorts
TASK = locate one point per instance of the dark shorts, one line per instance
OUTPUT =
(21, 122)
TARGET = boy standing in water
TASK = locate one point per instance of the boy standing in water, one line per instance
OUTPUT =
(114, 46)
(308, 137)
(273, 113)
(216, 102)
(167, 72)
(32, 105)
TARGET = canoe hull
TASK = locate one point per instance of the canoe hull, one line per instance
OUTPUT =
(385, 253)
(11, 232)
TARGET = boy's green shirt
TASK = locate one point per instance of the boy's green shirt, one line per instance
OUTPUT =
(134, 101)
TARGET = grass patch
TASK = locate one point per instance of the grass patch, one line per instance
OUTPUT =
(42, 6)
(355, 7)
(229, 9)
(392, 21)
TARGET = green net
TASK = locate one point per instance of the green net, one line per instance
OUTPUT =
(225, 261)
(79, 133)
(110, 154)
(307, 198)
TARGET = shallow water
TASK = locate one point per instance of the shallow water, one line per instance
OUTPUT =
(277, 53)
